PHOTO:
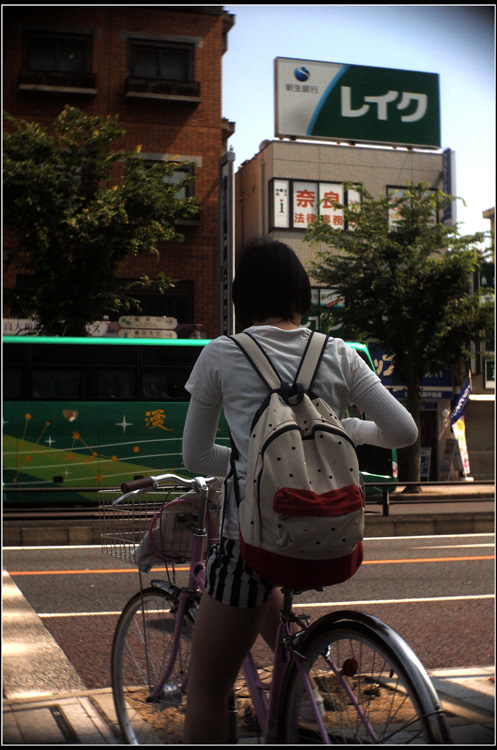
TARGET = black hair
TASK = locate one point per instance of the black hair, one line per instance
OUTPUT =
(270, 281)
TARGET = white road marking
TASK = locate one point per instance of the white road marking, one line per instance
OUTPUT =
(361, 603)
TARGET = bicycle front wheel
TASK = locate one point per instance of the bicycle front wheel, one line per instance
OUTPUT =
(142, 645)
(369, 686)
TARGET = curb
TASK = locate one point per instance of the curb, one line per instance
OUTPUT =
(429, 525)
(45, 534)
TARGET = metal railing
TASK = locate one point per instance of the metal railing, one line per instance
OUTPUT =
(387, 488)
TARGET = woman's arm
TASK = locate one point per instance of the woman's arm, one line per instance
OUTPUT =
(201, 455)
(391, 425)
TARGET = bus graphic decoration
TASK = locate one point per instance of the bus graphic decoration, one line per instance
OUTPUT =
(356, 103)
(63, 455)
(84, 414)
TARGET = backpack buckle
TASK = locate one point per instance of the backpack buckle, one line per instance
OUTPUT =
(292, 394)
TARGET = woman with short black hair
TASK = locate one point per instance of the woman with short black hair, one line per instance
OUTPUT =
(271, 294)
(270, 283)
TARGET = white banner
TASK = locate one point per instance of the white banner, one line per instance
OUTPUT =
(329, 194)
(305, 203)
(281, 202)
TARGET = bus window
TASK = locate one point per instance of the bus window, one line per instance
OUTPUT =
(153, 384)
(110, 383)
(13, 382)
(55, 383)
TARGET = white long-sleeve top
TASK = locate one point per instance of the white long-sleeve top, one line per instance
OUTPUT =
(223, 377)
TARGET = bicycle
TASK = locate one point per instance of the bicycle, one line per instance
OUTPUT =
(347, 678)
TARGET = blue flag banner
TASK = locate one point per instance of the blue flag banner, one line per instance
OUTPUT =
(461, 401)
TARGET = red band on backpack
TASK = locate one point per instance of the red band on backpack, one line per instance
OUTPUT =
(294, 502)
(298, 574)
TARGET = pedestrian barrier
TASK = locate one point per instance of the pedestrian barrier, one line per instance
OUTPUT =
(387, 488)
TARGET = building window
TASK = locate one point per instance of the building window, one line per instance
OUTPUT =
(169, 62)
(58, 53)
(162, 70)
(187, 191)
(59, 63)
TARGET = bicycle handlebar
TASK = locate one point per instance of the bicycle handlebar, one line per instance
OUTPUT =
(155, 482)
(137, 484)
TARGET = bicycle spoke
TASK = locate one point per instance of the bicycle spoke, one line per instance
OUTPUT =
(141, 651)
(365, 694)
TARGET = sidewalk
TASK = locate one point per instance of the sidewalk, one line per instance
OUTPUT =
(88, 718)
(45, 701)
(468, 508)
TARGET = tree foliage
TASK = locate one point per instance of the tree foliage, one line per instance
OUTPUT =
(406, 284)
(78, 206)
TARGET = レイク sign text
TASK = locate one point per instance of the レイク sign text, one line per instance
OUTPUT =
(356, 103)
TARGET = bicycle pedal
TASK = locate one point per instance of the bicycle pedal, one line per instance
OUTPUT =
(172, 695)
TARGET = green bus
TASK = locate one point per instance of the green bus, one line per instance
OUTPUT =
(86, 413)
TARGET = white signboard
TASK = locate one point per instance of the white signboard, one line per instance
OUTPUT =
(146, 333)
(146, 321)
(356, 103)
(294, 204)
(305, 203)
(281, 216)
(329, 194)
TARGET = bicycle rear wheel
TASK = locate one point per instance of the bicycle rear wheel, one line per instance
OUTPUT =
(372, 687)
(143, 640)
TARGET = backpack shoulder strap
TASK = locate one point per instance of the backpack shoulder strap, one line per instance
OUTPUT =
(261, 363)
(258, 359)
(311, 360)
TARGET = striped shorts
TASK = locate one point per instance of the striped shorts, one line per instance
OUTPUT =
(230, 580)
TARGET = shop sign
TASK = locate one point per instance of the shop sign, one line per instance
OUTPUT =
(358, 103)
(305, 203)
(449, 185)
(146, 333)
(433, 386)
(281, 203)
(294, 204)
(146, 321)
(147, 327)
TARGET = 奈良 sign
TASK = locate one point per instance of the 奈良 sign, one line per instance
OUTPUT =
(319, 100)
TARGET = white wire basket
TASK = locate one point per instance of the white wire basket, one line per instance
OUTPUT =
(154, 527)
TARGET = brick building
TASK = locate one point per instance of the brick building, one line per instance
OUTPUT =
(159, 69)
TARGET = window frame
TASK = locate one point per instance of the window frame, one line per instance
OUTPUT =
(161, 47)
(86, 40)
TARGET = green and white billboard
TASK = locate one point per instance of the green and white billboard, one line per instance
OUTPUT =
(358, 103)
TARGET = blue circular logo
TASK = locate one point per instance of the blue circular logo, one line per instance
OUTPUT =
(301, 74)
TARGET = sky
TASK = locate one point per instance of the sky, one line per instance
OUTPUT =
(455, 41)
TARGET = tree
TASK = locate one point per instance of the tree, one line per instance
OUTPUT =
(77, 208)
(405, 278)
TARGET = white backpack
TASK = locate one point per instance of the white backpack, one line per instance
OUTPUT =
(302, 517)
